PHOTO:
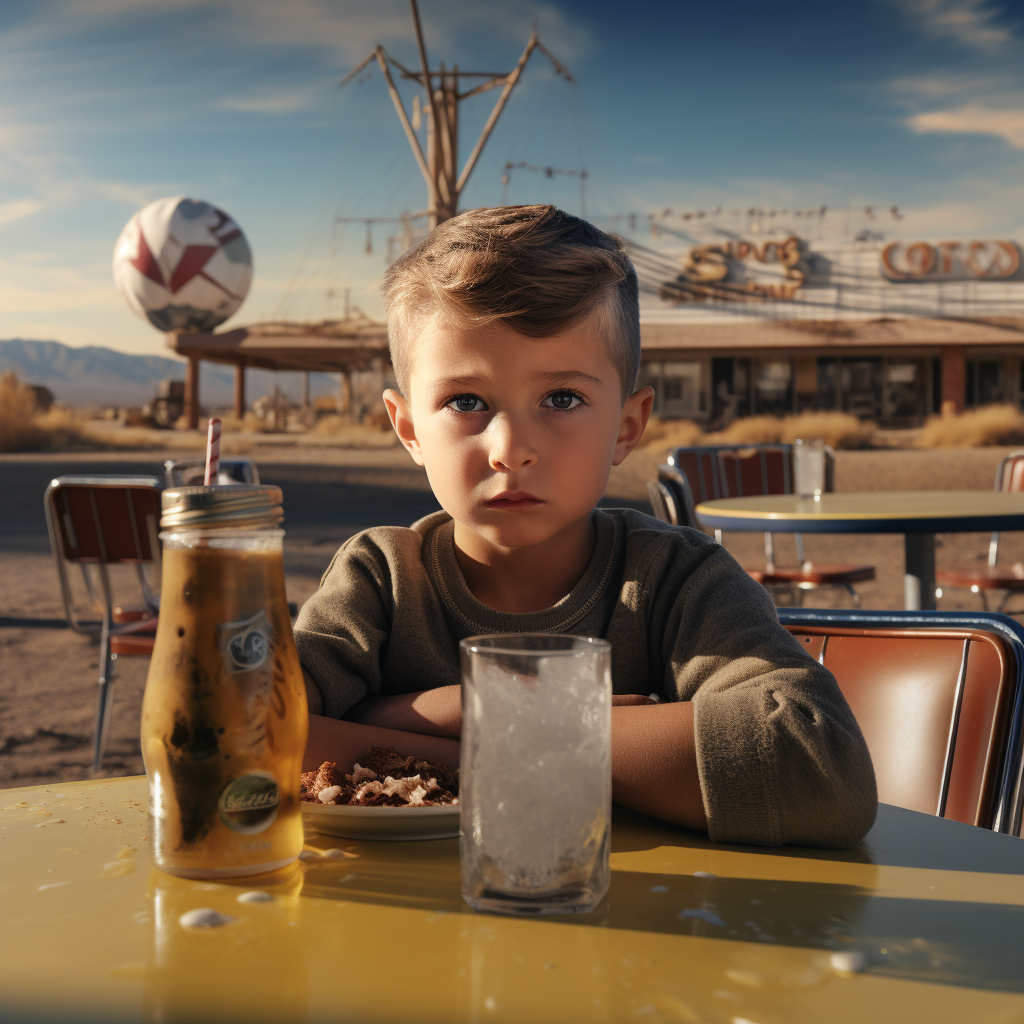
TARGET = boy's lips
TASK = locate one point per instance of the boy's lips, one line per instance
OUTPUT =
(513, 500)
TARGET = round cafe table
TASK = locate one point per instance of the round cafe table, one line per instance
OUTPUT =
(918, 515)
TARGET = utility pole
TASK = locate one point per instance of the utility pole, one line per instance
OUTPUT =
(439, 166)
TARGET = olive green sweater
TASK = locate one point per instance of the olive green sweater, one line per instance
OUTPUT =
(780, 756)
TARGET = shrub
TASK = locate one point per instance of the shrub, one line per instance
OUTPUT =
(839, 429)
(18, 429)
(661, 433)
(990, 425)
(250, 423)
(24, 427)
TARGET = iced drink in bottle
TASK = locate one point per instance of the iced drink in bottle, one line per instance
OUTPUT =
(224, 716)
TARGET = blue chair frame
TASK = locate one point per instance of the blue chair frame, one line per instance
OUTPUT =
(1009, 801)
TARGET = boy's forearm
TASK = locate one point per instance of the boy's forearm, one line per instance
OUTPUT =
(436, 712)
(332, 739)
(654, 763)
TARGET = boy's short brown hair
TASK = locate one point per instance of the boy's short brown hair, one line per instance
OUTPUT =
(537, 269)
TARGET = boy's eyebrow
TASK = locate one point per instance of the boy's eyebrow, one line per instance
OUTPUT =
(569, 377)
(447, 383)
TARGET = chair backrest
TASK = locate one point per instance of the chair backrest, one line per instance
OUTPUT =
(700, 467)
(104, 519)
(934, 705)
(189, 472)
(757, 469)
(1010, 474)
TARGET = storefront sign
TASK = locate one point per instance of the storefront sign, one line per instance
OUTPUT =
(950, 261)
(707, 272)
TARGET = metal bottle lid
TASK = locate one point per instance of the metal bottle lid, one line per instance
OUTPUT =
(218, 506)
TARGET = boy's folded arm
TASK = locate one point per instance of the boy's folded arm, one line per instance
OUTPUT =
(332, 739)
(654, 762)
(436, 712)
(780, 756)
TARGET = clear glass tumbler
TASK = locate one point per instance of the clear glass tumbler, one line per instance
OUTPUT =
(809, 468)
(536, 787)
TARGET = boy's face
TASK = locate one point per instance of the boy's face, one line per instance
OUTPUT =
(518, 435)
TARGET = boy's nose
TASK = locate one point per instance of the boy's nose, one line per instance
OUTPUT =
(510, 448)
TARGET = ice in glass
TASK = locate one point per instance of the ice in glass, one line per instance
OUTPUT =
(535, 773)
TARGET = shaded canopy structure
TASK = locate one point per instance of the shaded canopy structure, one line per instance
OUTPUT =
(329, 346)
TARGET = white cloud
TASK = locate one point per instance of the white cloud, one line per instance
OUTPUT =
(350, 27)
(937, 86)
(18, 208)
(284, 102)
(974, 23)
(974, 119)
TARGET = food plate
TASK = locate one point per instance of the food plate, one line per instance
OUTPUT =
(396, 824)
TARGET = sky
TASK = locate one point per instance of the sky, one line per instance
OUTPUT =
(106, 105)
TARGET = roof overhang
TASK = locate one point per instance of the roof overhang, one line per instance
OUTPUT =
(327, 347)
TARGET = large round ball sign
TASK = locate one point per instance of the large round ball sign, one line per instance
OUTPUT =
(182, 264)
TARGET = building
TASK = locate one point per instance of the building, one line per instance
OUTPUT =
(774, 312)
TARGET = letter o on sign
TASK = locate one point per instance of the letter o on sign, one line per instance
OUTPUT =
(921, 258)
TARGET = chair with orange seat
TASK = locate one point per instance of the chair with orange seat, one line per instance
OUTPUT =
(95, 522)
(1008, 578)
(730, 471)
(939, 697)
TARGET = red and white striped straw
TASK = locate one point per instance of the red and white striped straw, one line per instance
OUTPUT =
(212, 451)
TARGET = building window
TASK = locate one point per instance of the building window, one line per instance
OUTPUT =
(828, 382)
(986, 381)
(678, 387)
(773, 387)
(681, 391)
(861, 384)
(904, 394)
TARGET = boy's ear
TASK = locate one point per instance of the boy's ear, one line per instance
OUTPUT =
(636, 411)
(401, 420)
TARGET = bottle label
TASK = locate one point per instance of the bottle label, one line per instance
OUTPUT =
(249, 804)
(246, 644)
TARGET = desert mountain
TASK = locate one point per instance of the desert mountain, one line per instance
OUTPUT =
(94, 375)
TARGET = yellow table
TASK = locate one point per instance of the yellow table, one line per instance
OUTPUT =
(377, 932)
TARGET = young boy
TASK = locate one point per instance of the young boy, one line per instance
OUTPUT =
(515, 338)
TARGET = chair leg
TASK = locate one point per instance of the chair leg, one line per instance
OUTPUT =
(984, 599)
(854, 595)
(103, 698)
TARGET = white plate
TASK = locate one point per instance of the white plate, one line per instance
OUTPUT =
(392, 823)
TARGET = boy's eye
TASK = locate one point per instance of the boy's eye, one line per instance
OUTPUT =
(563, 401)
(467, 403)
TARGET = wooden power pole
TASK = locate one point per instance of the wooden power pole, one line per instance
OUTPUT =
(439, 166)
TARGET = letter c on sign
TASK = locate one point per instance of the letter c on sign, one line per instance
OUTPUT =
(921, 258)
(887, 265)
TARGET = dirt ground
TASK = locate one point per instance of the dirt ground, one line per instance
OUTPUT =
(48, 673)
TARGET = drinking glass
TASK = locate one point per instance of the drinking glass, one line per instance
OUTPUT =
(809, 468)
(535, 788)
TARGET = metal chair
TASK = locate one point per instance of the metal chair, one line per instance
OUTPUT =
(732, 471)
(96, 522)
(1009, 477)
(188, 472)
(939, 697)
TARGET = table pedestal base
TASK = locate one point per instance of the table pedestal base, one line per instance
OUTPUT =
(919, 571)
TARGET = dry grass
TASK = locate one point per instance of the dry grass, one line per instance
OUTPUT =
(23, 428)
(250, 423)
(839, 429)
(358, 435)
(666, 434)
(977, 428)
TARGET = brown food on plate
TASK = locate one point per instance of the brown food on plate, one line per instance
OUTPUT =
(384, 779)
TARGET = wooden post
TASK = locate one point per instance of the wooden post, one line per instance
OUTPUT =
(240, 391)
(192, 393)
(954, 378)
(344, 393)
(305, 390)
